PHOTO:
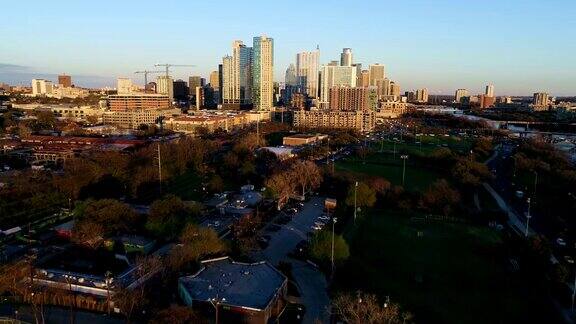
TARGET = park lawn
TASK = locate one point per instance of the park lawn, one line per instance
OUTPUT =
(452, 274)
(417, 178)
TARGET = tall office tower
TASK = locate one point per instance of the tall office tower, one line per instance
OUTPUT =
(214, 80)
(165, 86)
(383, 87)
(237, 76)
(220, 82)
(307, 65)
(395, 90)
(263, 73)
(65, 80)
(540, 99)
(334, 75)
(489, 90)
(180, 90)
(41, 87)
(358, 68)
(200, 96)
(353, 99)
(376, 73)
(460, 93)
(422, 95)
(290, 79)
(346, 57)
(124, 85)
(363, 79)
(193, 82)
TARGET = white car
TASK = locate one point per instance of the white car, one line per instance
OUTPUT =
(316, 227)
(569, 259)
(560, 242)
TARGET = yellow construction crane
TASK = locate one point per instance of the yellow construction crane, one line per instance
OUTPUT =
(146, 72)
(168, 65)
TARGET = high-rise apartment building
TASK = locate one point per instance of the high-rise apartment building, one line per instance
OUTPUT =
(220, 82)
(42, 87)
(422, 95)
(460, 93)
(489, 90)
(237, 76)
(307, 65)
(214, 80)
(363, 79)
(540, 99)
(376, 73)
(383, 87)
(165, 86)
(180, 90)
(65, 81)
(353, 99)
(262, 73)
(124, 85)
(395, 89)
(334, 75)
(346, 57)
(194, 82)
(290, 78)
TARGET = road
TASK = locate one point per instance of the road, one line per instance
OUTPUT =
(310, 281)
(58, 315)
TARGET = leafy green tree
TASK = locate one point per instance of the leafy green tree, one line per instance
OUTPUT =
(197, 242)
(112, 215)
(365, 196)
(321, 248)
(168, 216)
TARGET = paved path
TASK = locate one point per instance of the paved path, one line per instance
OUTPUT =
(310, 281)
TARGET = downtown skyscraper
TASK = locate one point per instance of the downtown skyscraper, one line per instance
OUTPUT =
(307, 66)
(263, 73)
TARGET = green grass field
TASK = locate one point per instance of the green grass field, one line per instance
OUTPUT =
(449, 274)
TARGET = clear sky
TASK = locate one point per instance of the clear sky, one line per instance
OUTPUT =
(521, 46)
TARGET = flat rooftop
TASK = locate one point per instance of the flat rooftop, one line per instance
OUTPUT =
(251, 285)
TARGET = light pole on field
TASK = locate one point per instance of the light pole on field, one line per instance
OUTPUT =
(334, 219)
(528, 216)
(355, 194)
(404, 158)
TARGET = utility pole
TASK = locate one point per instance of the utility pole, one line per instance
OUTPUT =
(404, 158)
(328, 152)
(334, 219)
(535, 182)
(258, 131)
(160, 168)
(355, 200)
(527, 219)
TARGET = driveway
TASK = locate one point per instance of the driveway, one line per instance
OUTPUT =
(310, 281)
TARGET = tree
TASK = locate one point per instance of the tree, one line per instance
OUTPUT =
(365, 196)
(215, 184)
(306, 174)
(321, 248)
(470, 173)
(380, 185)
(168, 216)
(281, 186)
(365, 309)
(441, 197)
(197, 242)
(88, 233)
(112, 215)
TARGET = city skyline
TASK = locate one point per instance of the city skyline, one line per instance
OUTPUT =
(442, 46)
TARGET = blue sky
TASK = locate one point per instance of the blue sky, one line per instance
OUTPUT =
(521, 46)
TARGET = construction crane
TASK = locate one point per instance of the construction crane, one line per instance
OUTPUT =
(168, 65)
(146, 72)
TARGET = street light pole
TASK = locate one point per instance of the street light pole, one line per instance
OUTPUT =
(216, 304)
(527, 219)
(404, 158)
(334, 219)
(535, 182)
(355, 194)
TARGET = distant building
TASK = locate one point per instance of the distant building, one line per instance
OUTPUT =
(302, 139)
(376, 73)
(165, 86)
(215, 80)
(486, 101)
(193, 83)
(363, 121)
(346, 57)
(124, 85)
(489, 90)
(42, 87)
(460, 93)
(263, 73)
(363, 79)
(353, 99)
(199, 97)
(180, 90)
(65, 80)
(247, 292)
(334, 75)
(236, 76)
(133, 119)
(131, 102)
(540, 101)
(421, 95)
(192, 124)
(307, 66)
(298, 101)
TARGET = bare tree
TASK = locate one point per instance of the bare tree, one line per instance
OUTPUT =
(365, 309)
(306, 174)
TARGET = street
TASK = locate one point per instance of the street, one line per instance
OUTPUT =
(310, 281)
